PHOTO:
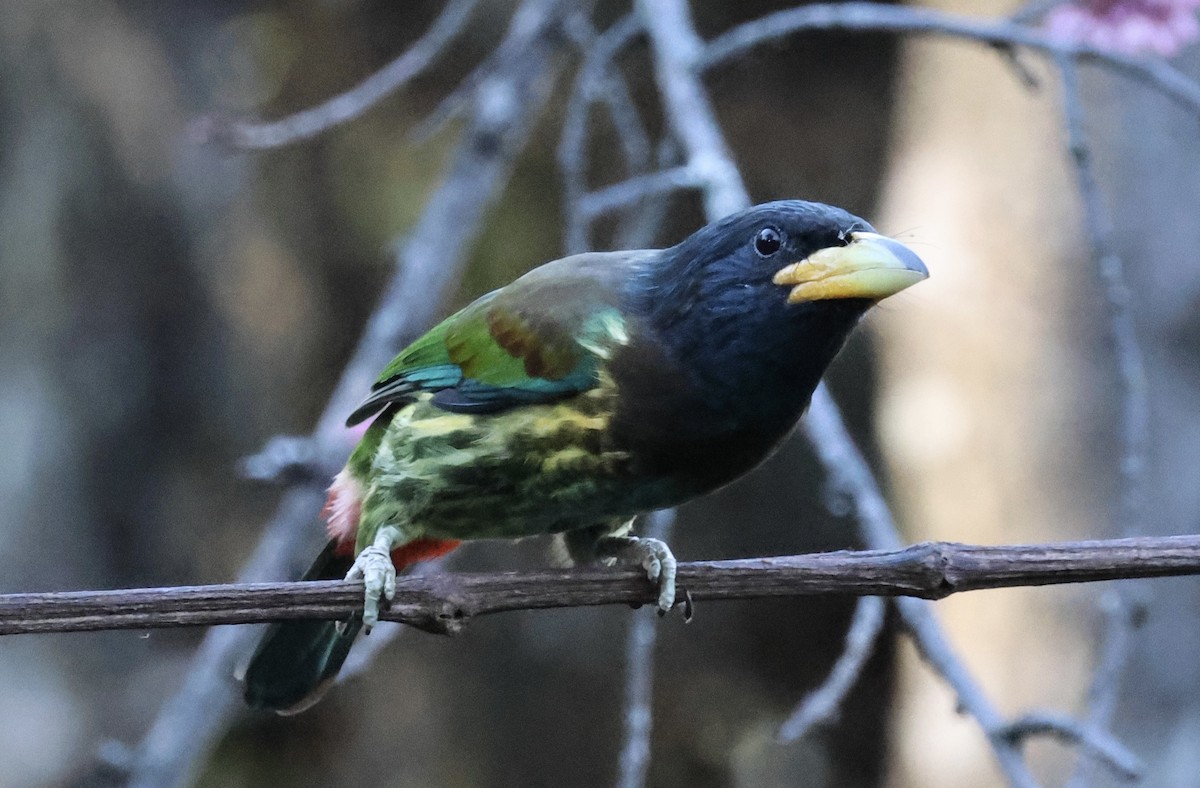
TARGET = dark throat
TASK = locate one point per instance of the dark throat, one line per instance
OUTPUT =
(722, 384)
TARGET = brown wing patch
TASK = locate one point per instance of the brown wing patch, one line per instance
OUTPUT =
(544, 348)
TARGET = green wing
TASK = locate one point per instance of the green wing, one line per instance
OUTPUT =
(543, 337)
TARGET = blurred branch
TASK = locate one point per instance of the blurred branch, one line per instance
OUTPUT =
(821, 705)
(677, 52)
(1034, 10)
(429, 263)
(347, 106)
(595, 82)
(528, 23)
(625, 193)
(1117, 640)
(1093, 742)
(1131, 365)
(633, 767)
(444, 602)
(879, 18)
(676, 48)
(292, 459)
(850, 475)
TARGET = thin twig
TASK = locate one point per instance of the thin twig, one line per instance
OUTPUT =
(573, 141)
(633, 766)
(292, 459)
(1034, 10)
(637, 231)
(821, 706)
(879, 18)
(347, 106)
(642, 222)
(677, 49)
(1131, 365)
(1094, 743)
(527, 22)
(1117, 640)
(429, 263)
(850, 475)
(444, 602)
(625, 193)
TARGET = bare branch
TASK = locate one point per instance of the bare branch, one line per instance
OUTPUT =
(527, 24)
(849, 473)
(821, 706)
(591, 82)
(1117, 640)
(354, 102)
(292, 459)
(879, 18)
(429, 263)
(1131, 365)
(622, 194)
(1095, 743)
(1034, 10)
(444, 602)
(634, 763)
(677, 49)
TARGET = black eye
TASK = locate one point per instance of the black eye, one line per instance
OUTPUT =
(767, 242)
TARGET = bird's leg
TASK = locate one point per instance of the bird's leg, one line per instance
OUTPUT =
(653, 555)
(608, 543)
(374, 567)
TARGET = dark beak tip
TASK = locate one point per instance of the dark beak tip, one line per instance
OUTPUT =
(906, 256)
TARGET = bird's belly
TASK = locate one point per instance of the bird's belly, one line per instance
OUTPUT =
(530, 470)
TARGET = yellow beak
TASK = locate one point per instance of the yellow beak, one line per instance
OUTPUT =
(870, 266)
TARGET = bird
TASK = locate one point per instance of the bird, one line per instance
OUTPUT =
(590, 390)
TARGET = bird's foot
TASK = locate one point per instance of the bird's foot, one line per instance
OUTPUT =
(374, 567)
(655, 557)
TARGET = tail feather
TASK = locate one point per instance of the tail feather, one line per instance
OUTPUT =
(296, 661)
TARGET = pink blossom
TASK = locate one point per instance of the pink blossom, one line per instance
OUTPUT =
(1161, 27)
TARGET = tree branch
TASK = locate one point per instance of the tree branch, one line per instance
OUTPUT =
(1097, 744)
(1117, 640)
(429, 262)
(347, 106)
(622, 194)
(633, 766)
(821, 706)
(1156, 73)
(677, 53)
(443, 603)
(595, 81)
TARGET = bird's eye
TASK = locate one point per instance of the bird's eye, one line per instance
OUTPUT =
(767, 242)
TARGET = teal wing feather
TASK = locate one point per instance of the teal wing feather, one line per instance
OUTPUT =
(541, 338)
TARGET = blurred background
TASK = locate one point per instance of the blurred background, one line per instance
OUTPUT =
(168, 304)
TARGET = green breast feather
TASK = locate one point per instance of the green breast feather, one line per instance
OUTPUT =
(496, 420)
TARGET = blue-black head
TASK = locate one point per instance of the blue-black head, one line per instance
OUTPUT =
(739, 322)
(777, 254)
(766, 297)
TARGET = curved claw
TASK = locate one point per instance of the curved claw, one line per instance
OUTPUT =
(689, 607)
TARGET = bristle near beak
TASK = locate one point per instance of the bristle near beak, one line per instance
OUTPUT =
(870, 266)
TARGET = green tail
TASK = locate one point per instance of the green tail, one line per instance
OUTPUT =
(296, 661)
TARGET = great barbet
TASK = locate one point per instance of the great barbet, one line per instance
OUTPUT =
(590, 390)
